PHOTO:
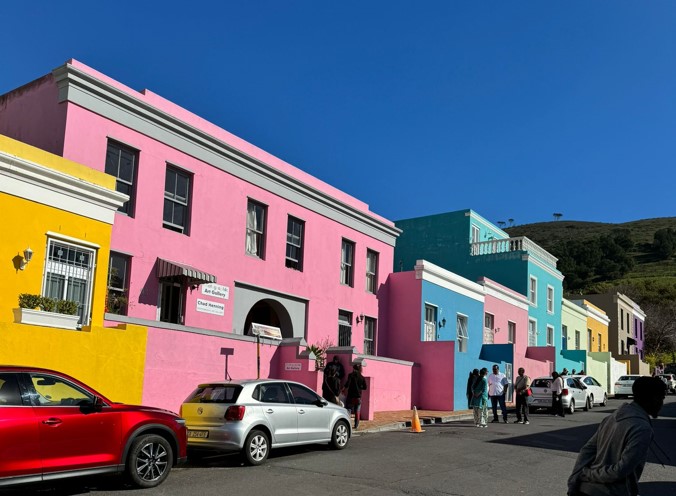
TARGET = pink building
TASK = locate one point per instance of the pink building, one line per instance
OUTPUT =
(217, 235)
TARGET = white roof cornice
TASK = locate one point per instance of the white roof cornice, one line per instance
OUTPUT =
(427, 271)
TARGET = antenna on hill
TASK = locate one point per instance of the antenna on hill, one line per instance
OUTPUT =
(557, 216)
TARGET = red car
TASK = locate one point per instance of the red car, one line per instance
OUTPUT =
(53, 426)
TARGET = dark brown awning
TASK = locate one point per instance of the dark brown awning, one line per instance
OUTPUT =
(174, 270)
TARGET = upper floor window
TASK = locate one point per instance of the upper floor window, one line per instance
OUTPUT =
(461, 333)
(294, 243)
(69, 275)
(622, 319)
(371, 271)
(344, 328)
(589, 339)
(118, 284)
(369, 336)
(430, 332)
(347, 263)
(533, 291)
(121, 162)
(176, 200)
(172, 302)
(255, 229)
(564, 337)
(532, 333)
(511, 332)
(577, 340)
(550, 299)
(599, 343)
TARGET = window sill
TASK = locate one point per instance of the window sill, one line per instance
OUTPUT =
(45, 319)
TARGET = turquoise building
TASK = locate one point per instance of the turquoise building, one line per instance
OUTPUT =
(469, 245)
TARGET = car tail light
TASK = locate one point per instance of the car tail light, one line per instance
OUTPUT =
(235, 412)
(564, 392)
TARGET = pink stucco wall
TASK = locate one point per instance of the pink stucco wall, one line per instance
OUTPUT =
(504, 309)
(216, 240)
(32, 115)
(433, 381)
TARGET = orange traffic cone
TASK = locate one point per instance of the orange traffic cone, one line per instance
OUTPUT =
(415, 421)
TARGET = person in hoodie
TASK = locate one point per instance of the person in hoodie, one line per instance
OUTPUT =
(612, 461)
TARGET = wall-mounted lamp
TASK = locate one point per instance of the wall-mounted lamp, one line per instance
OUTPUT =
(496, 330)
(359, 318)
(442, 323)
(27, 255)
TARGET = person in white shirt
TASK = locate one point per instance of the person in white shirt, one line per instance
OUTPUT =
(557, 395)
(498, 384)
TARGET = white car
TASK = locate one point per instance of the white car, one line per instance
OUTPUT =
(597, 394)
(624, 384)
(670, 381)
(574, 394)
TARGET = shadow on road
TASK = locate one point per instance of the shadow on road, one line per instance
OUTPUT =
(657, 488)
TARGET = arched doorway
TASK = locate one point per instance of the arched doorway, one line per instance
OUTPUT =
(272, 313)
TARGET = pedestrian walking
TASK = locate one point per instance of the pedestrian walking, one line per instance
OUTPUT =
(336, 365)
(480, 399)
(522, 390)
(354, 386)
(331, 386)
(473, 375)
(612, 461)
(498, 384)
(557, 395)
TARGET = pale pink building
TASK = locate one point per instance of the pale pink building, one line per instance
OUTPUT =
(217, 235)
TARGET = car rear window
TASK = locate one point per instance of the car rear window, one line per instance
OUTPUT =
(215, 393)
(543, 383)
(628, 378)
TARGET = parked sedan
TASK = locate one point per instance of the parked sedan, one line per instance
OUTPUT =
(574, 394)
(53, 426)
(624, 384)
(254, 416)
(597, 394)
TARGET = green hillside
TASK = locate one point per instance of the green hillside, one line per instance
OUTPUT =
(653, 278)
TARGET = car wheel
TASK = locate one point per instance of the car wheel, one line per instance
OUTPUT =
(341, 435)
(589, 403)
(149, 461)
(605, 399)
(256, 447)
(571, 408)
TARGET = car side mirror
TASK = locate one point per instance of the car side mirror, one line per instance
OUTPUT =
(321, 402)
(94, 406)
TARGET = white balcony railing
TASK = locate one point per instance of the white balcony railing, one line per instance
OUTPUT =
(522, 243)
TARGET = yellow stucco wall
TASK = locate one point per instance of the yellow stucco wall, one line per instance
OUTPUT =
(109, 359)
(597, 328)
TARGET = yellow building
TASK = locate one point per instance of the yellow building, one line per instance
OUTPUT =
(59, 217)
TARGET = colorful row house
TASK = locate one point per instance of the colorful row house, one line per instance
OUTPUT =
(214, 239)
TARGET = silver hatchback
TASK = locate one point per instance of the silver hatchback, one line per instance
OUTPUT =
(254, 416)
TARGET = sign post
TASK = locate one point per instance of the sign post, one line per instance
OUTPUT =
(266, 331)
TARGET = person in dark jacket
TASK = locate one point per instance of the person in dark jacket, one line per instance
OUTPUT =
(331, 386)
(612, 461)
(473, 375)
(355, 385)
(338, 367)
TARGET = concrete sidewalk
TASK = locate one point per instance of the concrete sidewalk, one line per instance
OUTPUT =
(402, 419)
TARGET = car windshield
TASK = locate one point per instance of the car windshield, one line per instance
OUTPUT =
(215, 393)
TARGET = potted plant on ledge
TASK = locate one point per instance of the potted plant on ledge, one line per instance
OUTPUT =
(48, 312)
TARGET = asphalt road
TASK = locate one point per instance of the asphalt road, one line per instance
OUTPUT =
(447, 459)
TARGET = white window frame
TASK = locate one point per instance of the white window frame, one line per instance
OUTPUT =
(69, 271)
(347, 262)
(294, 240)
(598, 335)
(489, 328)
(430, 326)
(532, 332)
(462, 333)
(511, 332)
(371, 271)
(564, 337)
(550, 299)
(533, 290)
(122, 291)
(181, 301)
(255, 229)
(345, 321)
(128, 207)
(550, 335)
(369, 336)
(577, 339)
(177, 200)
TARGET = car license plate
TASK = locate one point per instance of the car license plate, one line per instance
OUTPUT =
(199, 434)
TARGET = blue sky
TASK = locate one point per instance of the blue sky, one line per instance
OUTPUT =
(516, 109)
